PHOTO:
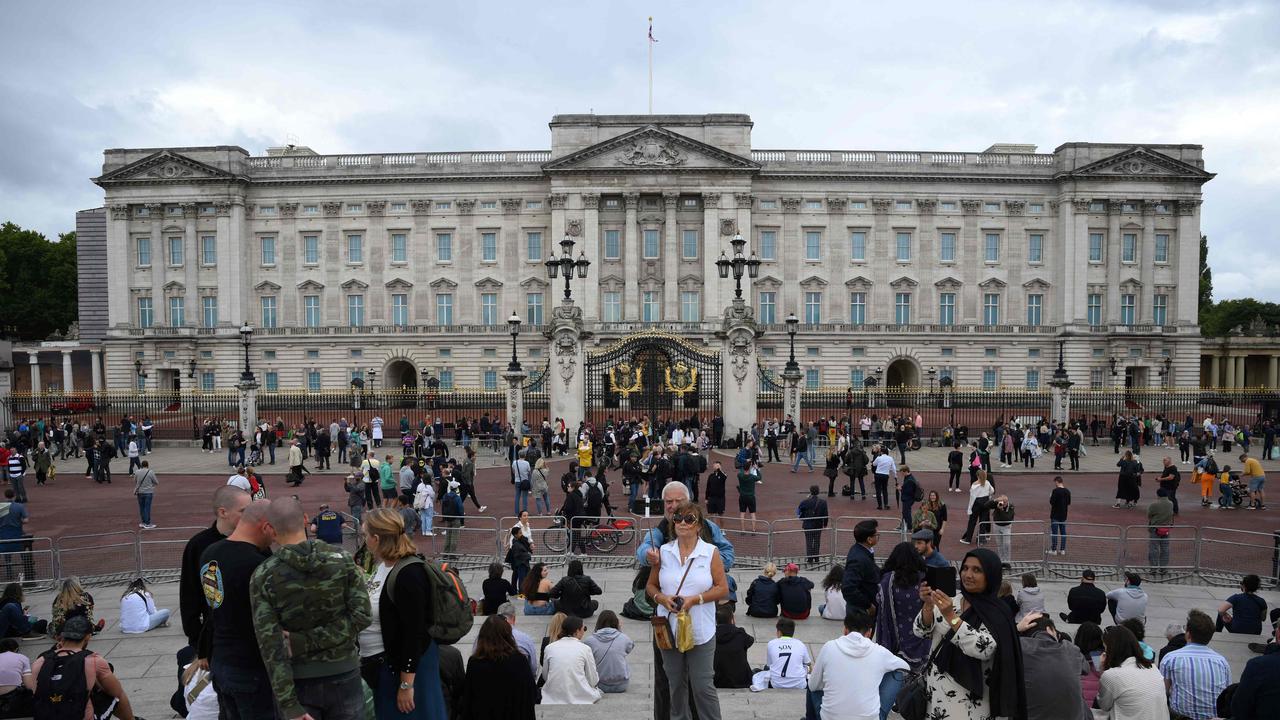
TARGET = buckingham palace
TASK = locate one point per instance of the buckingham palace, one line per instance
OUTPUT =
(899, 265)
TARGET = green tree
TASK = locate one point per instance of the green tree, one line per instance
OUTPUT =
(1224, 316)
(1206, 280)
(37, 283)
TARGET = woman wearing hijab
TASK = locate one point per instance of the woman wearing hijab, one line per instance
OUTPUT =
(977, 673)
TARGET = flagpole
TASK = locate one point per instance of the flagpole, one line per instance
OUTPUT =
(649, 41)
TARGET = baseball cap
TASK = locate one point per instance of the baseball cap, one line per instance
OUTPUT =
(1088, 575)
(922, 535)
(76, 627)
(791, 567)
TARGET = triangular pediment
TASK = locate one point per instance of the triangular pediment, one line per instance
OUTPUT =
(398, 284)
(612, 280)
(813, 281)
(858, 282)
(443, 284)
(904, 281)
(354, 284)
(690, 278)
(649, 149)
(266, 286)
(310, 285)
(990, 283)
(173, 287)
(768, 281)
(1036, 284)
(1142, 164)
(948, 282)
(488, 283)
(166, 166)
(533, 283)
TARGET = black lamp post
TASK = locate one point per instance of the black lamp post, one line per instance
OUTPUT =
(932, 372)
(947, 385)
(792, 321)
(513, 325)
(738, 264)
(565, 264)
(1060, 374)
(137, 370)
(246, 333)
(191, 369)
(373, 376)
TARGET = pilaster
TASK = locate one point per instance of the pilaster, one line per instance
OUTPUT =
(515, 397)
(1114, 243)
(712, 242)
(1146, 263)
(590, 293)
(739, 363)
(68, 384)
(670, 259)
(95, 363)
(33, 359)
(1187, 298)
(631, 251)
(567, 350)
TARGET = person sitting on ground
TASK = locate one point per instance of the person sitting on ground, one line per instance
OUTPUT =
(138, 612)
(1129, 601)
(1196, 675)
(15, 675)
(70, 601)
(794, 593)
(537, 591)
(498, 682)
(786, 661)
(1257, 697)
(834, 607)
(1051, 671)
(1243, 612)
(640, 606)
(854, 655)
(573, 593)
(1139, 630)
(71, 673)
(1086, 601)
(610, 647)
(14, 620)
(731, 667)
(1130, 688)
(569, 668)
(1030, 599)
(1006, 596)
(762, 595)
(1089, 642)
(1175, 636)
(495, 589)
(553, 634)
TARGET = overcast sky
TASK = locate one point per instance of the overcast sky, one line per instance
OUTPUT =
(78, 77)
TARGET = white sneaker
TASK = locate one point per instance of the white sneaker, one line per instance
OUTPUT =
(483, 508)
(428, 534)
(152, 526)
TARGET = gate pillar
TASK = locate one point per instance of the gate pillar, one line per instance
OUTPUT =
(567, 386)
(515, 398)
(741, 386)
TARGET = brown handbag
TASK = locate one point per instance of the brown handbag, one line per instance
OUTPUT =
(662, 638)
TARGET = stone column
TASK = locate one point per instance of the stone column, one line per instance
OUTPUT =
(1273, 378)
(1188, 263)
(1111, 316)
(33, 359)
(6, 390)
(740, 380)
(670, 259)
(95, 364)
(837, 252)
(1240, 379)
(791, 378)
(1231, 372)
(248, 388)
(1215, 372)
(121, 304)
(515, 397)
(790, 249)
(567, 387)
(1146, 265)
(631, 254)
(67, 381)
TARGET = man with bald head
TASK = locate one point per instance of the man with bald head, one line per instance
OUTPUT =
(309, 605)
(228, 643)
(229, 502)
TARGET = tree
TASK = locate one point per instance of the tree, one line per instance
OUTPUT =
(1206, 280)
(38, 283)
(1227, 315)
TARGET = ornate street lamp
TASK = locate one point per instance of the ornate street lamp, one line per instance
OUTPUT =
(565, 264)
(792, 323)
(1060, 375)
(947, 386)
(373, 376)
(191, 369)
(932, 372)
(246, 333)
(737, 265)
(513, 326)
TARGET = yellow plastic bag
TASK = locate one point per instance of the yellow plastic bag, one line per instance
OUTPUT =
(684, 632)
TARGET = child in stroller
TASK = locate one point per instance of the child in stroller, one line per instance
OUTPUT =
(255, 454)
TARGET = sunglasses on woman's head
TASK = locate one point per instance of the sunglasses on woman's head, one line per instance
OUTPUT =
(689, 519)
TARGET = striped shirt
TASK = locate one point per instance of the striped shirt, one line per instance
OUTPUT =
(1196, 675)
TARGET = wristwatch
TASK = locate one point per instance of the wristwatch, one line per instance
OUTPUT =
(954, 622)
(406, 686)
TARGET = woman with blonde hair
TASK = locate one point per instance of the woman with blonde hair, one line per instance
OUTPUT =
(70, 601)
(553, 634)
(398, 658)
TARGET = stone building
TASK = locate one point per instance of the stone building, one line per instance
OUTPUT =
(967, 264)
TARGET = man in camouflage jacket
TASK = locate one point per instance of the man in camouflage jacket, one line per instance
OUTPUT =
(310, 603)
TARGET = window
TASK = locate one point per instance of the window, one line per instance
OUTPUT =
(209, 311)
(768, 204)
(1033, 379)
(768, 245)
(313, 380)
(1160, 309)
(1129, 207)
(1128, 305)
(990, 352)
(649, 307)
(856, 377)
(444, 308)
(489, 247)
(446, 379)
(1129, 248)
(612, 307)
(813, 308)
(533, 246)
(991, 309)
(858, 245)
(610, 203)
(357, 352)
(177, 312)
(146, 315)
(902, 205)
(946, 372)
(812, 378)
(1035, 208)
(488, 308)
(1135, 352)
(490, 379)
(488, 204)
(1094, 314)
(268, 354)
(311, 310)
(904, 247)
(768, 308)
(446, 352)
(690, 310)
(991, 207)
(144, 252)
(689, 244)
(1095, 247)
(1033, 352)
(858, 205)
(399, 207)
(812, 245)
(1097, 206)
(902, 308)
(858, 308)
(175, 251)
(311, 249)
(313, 354)
(813, 204)
(273, 381)
(400, 309)
(533, 308)
(444, 247)
(612, 244)
(1035, 309)
(206, 354)
(947, 308)
(357, 375)
(355, 310)
(991, 250)
(490, 352)
(812, 352)
(689, 203)
(1162, 248)
(1097, 378)
(140, 211)
(948, 352)
(399, 248)
(268, 250)
(947, 247)
(1035, 248)
(989, 379)
(948, 204)
(269, 311)
(650, 244)
(355, 248)
(310, 209)
(206, 381)
(355, 207)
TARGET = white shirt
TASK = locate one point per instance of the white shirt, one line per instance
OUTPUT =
(835, 608)
(371, 637)
(852, 656)
(977, 490)
(133, 449)
(1133, 693)
(569, 668)
(787, 659)
(377, 427)
(205, 704)
(135, 612)
(241, 482)
(424, 497)
(885, 465)
(698, 581)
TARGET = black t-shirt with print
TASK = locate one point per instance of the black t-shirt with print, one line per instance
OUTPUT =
(225, 569)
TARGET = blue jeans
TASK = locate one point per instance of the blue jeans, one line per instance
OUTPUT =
(547, 609)
(805, 457)
(337, 697)
(1157, 550)
(1057, 528)
(889, 686)
(634, 493)
(428, 697)
(144, 507)
(242, 693)
(425, 518)
(522, 501)
(541, 504)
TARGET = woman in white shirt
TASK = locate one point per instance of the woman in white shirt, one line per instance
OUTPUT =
(834, 607)
(138, 612)
(689, 578)
(569, 668)
(1130, 688)
(980, 490)
(424, 501)
(523, 523)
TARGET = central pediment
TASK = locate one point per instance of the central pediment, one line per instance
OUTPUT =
(651, 149)
(166, 166)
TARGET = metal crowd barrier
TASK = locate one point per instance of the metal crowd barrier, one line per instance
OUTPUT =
(1090, 546)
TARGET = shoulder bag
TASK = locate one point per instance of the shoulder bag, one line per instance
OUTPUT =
(912, 702)
(662, 638)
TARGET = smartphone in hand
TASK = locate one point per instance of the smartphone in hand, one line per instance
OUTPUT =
(941, 578)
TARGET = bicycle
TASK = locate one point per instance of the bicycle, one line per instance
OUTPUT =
(602, 537)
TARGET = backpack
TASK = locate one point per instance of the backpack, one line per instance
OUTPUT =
(451, 613)
(62, 690)
(452, 504)
(374, 475)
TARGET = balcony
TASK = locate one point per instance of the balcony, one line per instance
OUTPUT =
(444, 163)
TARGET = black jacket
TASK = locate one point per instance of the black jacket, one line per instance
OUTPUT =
(794, 594)
(405, 619)
(191, 602)
(813, 512)
(1086, 603)
(763, 598)
(573, 595)
(731, 667)
(861, 578)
